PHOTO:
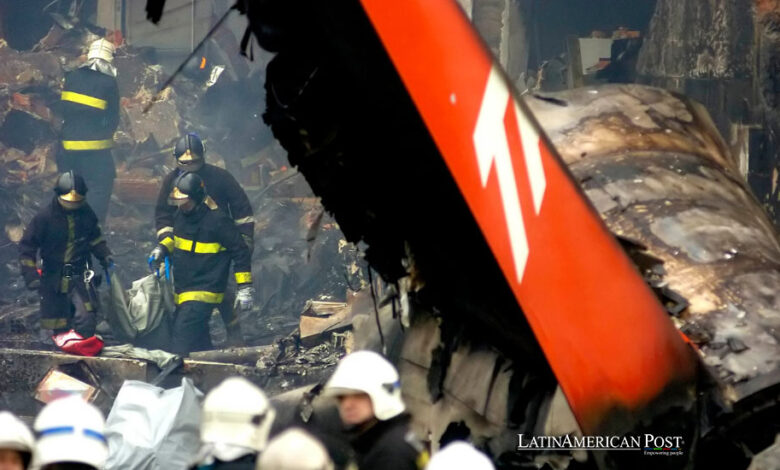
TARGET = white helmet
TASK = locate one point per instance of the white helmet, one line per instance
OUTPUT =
(70, 430)
(14, 434)
(101, 49)
(459, 454)
(368, 372)
(237, 418)
(295, 449)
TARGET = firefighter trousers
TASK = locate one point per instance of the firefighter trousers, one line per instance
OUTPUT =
(75, 306)
(190, 330)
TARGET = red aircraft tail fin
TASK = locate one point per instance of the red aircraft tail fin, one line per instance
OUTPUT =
(608, 340)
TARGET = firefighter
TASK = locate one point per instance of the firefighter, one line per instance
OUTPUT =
(90, 110)
(202, 244)
(295, 449)
(16, 443)
(459, 455)
(225, 191)
(70, 436)
(368, 390)
(237, 418)
(65, 234)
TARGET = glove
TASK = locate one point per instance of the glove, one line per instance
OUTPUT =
(107, 262)
(156, 257)
(245, 298)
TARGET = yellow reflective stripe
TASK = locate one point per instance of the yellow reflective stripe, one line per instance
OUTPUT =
(53, 323)
(243, 278)
(199, 296)
(96, 241)
(88, 306)
(27, 262)
(87, 144)
(200, 247)
(422, 460)
(164, 230)
(167, 242)
(182, 244)
(86, 100)
(245, 220)
(70, 246)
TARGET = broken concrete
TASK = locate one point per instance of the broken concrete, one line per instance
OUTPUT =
(23, 370)
(320, 318)
(161, 123)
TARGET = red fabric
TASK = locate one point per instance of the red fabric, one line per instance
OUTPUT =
(73, 343)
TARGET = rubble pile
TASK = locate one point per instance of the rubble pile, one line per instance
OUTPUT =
(36, 377)
(300, 254)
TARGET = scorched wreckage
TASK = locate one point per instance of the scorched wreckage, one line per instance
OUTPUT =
(569, 268)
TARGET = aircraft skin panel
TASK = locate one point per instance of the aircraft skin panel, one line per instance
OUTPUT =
(608, 340)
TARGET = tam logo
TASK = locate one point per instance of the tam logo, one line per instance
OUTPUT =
(492, 147)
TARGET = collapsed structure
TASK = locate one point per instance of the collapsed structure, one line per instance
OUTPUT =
(301, 256)
(650, 162)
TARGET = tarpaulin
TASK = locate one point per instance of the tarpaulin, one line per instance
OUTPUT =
(150, 428)
(127, 351)
(140, 315)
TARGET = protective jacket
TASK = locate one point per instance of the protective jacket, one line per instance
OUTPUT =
(222, 187)
(62, 237)
(389, 445)
(203, 244)
(90, 107)
(64, 240)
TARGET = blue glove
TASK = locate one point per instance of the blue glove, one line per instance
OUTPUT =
(157, 257)
(107, 262)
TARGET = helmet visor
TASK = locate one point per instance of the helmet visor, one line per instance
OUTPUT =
(70, 201)
(189, 161)
(72, 196)
(187, 157)
(177, 198)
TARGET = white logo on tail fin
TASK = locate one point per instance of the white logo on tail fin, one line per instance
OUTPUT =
(492, 146)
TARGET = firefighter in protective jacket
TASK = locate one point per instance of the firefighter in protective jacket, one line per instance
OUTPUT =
(65, 234)
(202, 244)
(368, 389)
(90, 109)
(225, 191)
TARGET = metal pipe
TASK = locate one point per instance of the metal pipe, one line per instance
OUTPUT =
(192, 26)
